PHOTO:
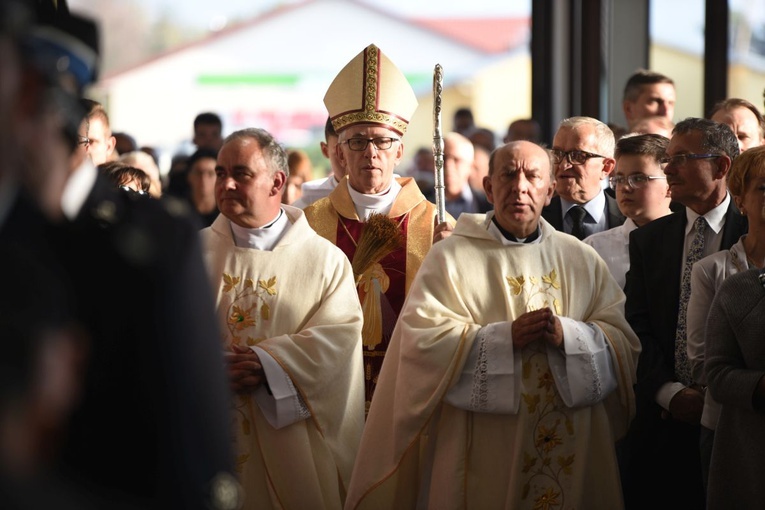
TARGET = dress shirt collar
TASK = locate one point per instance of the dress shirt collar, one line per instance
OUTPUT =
(715, 218)
(595, 207)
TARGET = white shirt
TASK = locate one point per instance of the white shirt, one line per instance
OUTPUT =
(315, 190)
(613, 246)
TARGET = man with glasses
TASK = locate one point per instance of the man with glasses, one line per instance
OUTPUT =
(383, 224)
(663, 445)
(583, 150)
(642, 194)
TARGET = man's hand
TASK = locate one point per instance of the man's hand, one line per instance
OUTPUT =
(244, 369)
(442, 231)
(540, 324)
(686, 406)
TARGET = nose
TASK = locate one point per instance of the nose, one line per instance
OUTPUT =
(662, 109)
(370, 150)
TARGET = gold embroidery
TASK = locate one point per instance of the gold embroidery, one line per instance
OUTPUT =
(537, 296)
(549, 460)
(240, 316)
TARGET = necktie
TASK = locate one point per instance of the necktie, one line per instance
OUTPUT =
(695, 253)
(577, 214)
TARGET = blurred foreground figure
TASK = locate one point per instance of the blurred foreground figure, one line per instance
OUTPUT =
(149, 430)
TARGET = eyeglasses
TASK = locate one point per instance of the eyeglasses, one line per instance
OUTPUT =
(682, 159)
(381, 143)
(635, 181)
(575, 157)
(83, 140)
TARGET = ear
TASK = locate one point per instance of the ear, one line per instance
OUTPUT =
(487, 189)
(399, 152)
(723, 167)
(280, 179)
(608, 167)
(627, 108)
(324, 149)
(111, 142)
(340, 154)
(550, 192)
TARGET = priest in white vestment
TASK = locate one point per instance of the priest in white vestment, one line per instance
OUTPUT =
(509, 375)
(291, 318)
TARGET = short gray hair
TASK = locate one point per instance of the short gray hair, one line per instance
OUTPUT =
(273, 152)
(604, 137)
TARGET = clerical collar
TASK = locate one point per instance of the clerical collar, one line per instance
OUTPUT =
(510, 237)
(380, 203)
(264, 238)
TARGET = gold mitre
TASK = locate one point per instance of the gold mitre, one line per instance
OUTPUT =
(370, 89)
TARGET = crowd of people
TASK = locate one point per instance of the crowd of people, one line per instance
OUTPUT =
(581, 328)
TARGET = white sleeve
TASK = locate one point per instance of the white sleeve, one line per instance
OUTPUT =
(584, 375)
(490, 379)
(279, 401)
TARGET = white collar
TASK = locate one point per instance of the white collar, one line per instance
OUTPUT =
(715, 218)
(497, 234)
(380, 203)
(263, 238)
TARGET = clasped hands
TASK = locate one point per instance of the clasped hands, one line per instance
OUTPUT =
(245, 372)
(540, 324)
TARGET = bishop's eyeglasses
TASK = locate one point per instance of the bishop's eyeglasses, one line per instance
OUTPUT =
(381, 143)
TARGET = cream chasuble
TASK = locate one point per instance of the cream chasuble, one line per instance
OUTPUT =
(418, 451)
(297, 303)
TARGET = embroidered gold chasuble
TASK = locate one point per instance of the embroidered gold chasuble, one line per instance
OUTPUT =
(299, 304)
(419, 450)
(335, 219)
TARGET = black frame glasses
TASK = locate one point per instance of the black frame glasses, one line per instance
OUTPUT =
(682, 159)
(635, 181)
(83, 140)
(382, 143)
(575, 157)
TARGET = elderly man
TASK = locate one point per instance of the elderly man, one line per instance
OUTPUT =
(508, 379)
(744, 119)
(291, 322)
(458, 164)
(384, 225)
(646, 94)
(583, 150)
(663, 445)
